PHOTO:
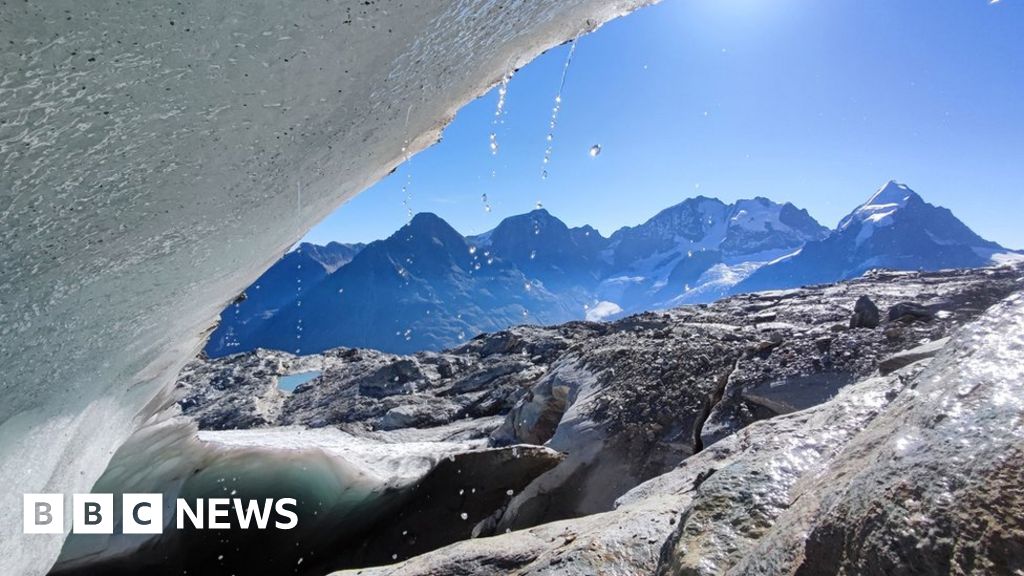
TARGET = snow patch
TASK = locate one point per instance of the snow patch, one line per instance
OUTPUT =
(757, 216)
(1000, 258)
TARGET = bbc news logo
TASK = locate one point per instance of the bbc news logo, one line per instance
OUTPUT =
(144, 513)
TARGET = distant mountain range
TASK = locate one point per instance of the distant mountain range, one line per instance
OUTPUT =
(427, 287)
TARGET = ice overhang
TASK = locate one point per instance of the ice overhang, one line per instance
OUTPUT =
(156, 156)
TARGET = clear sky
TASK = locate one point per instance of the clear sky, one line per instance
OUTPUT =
(816, 103)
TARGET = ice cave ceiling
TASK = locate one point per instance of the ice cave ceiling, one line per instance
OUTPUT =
(156, 156)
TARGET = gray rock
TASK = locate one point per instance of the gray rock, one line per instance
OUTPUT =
(418, 416)
(908, 357)
(912, 473)
(910, 312)
(930, 486)
(865, 314)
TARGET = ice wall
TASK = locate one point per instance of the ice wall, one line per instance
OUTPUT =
(151, 160)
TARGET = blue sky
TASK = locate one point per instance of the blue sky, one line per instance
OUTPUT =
(816, 103)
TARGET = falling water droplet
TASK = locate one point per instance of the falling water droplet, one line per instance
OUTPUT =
(472, 249)
(595, 150)
(533, 254)
(499, 113)
(555, 110)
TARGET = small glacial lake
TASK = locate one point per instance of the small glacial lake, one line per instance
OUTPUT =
(292, 381)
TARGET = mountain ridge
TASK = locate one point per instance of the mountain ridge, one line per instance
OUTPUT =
(429, 287)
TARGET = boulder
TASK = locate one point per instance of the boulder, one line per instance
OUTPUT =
(418, 415)
(910, 312)
(865, 314)
(908, 357)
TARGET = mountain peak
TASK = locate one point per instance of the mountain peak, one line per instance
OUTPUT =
(882, 205)
(427, 225)
(892, 193)
(422, 219)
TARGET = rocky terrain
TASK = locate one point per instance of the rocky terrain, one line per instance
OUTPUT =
(674, 441)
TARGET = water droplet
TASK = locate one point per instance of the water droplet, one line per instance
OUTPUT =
(533, 254)
(472, 249)
(464, 516)
(555, 110)
(595, 150)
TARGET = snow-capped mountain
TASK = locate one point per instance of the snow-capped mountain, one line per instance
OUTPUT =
(895, 229)
(698, 249)
(428, 287)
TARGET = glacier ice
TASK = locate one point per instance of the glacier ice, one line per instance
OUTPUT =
(149, 160)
